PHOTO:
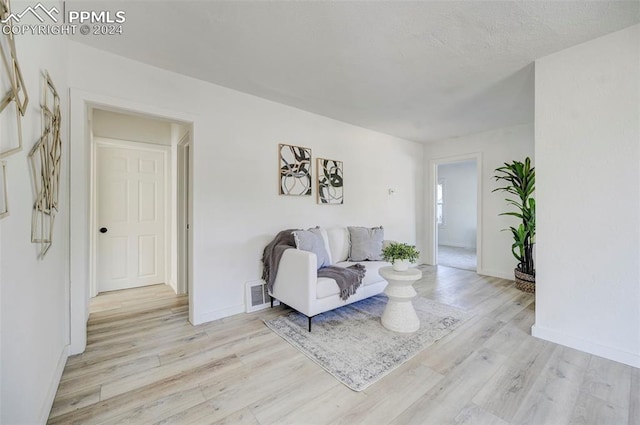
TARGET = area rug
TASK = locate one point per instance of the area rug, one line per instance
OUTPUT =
(352, 345)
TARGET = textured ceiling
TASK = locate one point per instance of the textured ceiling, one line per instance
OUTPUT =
(421, 71)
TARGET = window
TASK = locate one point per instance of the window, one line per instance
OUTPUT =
(440, 203)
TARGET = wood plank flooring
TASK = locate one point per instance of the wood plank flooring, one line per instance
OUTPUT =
(145, 364)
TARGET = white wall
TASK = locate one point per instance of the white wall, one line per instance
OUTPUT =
(587, 155)
(35, 299)
(494, 147)
(460, 182)
(236, 206)
(114, 125)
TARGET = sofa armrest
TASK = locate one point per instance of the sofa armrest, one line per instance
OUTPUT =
(296, 281)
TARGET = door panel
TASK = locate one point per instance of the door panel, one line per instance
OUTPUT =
(147, 204)
(116, 209)
(117, 254)
(130, 197)
(147, 252)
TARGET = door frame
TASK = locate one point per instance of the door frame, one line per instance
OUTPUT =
(184, 213)
(93, 210)
(81, 103)
(432, 257)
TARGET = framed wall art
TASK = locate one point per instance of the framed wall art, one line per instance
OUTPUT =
(330, 182)
(295, 170)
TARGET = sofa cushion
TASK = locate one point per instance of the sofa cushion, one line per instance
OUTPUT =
(326, 288)
(311, 240)
(366, 244)
(338, 243)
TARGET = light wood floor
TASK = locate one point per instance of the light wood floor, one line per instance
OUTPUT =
(457, 257)
(146, 364)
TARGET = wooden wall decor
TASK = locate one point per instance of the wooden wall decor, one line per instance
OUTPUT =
(16, 92)
(45, 158)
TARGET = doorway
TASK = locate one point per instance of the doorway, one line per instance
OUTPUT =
(457, 207)
(137, 197)
(82, 105)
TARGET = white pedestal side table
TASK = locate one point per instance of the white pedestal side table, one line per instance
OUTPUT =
(399, 314)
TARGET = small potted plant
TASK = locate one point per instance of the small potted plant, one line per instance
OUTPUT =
(400, 255)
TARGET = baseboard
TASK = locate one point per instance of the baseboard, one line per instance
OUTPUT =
(631, 359)
(53, 386)
(483, 272)
(493, 273)
(218, 314)
(457, 246)
(174, 286)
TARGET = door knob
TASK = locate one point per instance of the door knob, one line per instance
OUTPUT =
(103, 230)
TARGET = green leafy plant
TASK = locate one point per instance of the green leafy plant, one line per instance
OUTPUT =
(521, 179)
(400, 251)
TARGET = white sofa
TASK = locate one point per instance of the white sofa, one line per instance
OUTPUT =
(298, 286)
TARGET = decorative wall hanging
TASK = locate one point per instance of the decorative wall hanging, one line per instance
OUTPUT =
(12, 83)
(330, 180)
(4, 200)
(295, 170)
(45, 158)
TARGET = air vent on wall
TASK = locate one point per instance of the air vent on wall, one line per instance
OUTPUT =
(257, 296)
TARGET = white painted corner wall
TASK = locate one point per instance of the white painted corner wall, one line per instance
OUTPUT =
(34, 322)
(237, 211)
(494, 148)
(588, 191)
(587, 134)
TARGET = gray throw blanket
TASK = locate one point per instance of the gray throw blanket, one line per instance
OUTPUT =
(348, 279)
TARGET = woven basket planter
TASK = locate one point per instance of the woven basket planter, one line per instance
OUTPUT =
(525, 282)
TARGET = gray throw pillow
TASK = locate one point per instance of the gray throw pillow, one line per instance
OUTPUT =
(312, 241)
(366, 244)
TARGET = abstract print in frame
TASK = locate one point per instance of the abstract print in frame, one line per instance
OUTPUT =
(330, 182)
(295, 170)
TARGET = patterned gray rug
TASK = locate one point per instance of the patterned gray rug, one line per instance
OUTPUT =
(352, 345)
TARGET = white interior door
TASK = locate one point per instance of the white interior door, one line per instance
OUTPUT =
(130, 216)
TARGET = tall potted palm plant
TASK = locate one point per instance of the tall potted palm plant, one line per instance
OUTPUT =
(521, 183)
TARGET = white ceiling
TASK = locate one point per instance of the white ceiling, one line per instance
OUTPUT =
(419, 70)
